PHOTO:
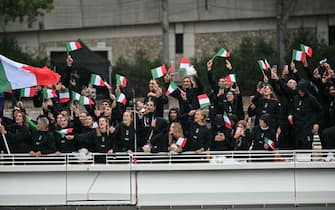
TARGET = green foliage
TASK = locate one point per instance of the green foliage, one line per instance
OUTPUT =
(138, 72)
(27, 10)
(10, 49)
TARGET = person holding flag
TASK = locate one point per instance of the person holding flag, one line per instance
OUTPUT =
(261, 133)
(62, 144)
(187, 93)
(221, 134)
(197, 133)
(156, 94)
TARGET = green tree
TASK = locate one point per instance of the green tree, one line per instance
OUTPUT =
(23, 10)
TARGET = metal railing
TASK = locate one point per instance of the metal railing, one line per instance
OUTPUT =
(209, 157)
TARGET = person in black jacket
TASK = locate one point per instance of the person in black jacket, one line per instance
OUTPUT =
(242, 136)
(262, 133)
(62, 144)
(221, 136)
(156, 94)
(18, 134)
(198, 136)
(187, 94)
(124, 134)
(305, 116)
(157, 140)
(43, 141)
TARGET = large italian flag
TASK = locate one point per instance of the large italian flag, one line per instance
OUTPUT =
(15, 75)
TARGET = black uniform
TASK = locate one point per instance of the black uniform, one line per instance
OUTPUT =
(258, 136)
(124, 137)
(65, 146)
(158, 139)
(18, 138)
(221, 145)
(43, 141)
(198, 137)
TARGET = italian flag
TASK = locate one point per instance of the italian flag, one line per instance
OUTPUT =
(71, 46)
(306, 49)
(121, 80)
(270, 142)
(298, 55)
(263, 64)
(27, 92)
(158, 72)
(223, 53)
(172, 87)
(121, 98)
(96, 80)
(14, 75)
(65, 131)
(83, 100)
(49, 93)
(31, 124)
(231, 78)
(181, 142)
(226, 120)
(203, 101)
(64, 95)
(184, 63)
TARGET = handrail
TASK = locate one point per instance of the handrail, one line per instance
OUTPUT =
(213, 157)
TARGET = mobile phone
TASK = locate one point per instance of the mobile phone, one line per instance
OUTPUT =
(274, 68)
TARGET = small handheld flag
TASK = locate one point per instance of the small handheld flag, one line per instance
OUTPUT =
(181, 142)
(97, 80)
(172, 87)
(27, 92)
(184, 64)
(223, 53)
(203, 101)
(306, 49)
(49, 93)
(270, 142)
(71, 46)
(121, 80)
(64, 95)
(121, 98)
(226, 119)
(231, 78)
(158, 72)
(298, 55)
(65, 131)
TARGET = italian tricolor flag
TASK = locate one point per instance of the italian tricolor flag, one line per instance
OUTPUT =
(71, 46)
(158, 72)
(263, 64)
(181, 142)
(96, 80)
(14, 75)
(49, 93)
(226, 120)
(184, 63)
(172, 87)
(298, 55)
(27, 92)
(270, 142)
(83, 100)
(64, 95)
(306, 49)
(65, 131)
(223, 53)
(231, 78)
(121, 80)
(203, 101)
(121, 98)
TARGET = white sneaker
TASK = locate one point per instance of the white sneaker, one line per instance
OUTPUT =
(330, 157)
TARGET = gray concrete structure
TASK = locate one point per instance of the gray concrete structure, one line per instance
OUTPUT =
(123, 27)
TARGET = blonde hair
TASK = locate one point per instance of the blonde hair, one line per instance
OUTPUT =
(107, 127)
(178, 132)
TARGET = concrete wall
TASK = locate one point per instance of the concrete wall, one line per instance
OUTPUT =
(123, 27)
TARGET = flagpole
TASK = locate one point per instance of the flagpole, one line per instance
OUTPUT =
(134, 121)
(6, 144)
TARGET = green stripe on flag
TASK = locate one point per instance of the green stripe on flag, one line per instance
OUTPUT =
(4, 83)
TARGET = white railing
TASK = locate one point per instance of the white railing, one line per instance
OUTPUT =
(214, 157)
